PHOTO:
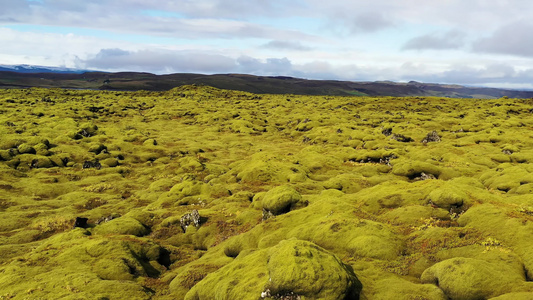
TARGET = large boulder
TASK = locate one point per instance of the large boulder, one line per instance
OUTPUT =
(292, 268)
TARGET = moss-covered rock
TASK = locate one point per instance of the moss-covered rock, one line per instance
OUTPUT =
(394, 194)
(348, 183)
(414, 169)
(26, 149)
(515, 296)
(110, 162)
(448, 196)
(467, 278)
(41, 162)
(280, 199)
(401, 289)
(292, 267)
(508, 178)
(6, 155)
(265, 167)
(97, 148)
(122, 225)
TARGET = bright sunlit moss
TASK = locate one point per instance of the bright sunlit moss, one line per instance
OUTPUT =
(294, 196)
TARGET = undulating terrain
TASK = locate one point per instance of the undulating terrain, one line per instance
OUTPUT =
(133, 81)
(200, 193)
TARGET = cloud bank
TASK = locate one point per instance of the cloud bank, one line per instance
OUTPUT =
(465, 42)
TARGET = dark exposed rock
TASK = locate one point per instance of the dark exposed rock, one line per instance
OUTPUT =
(267, 214)
(431, 137)
(424, 176)
(401, 138)
(84, 133)
(281, 296)
(106, 219)
(81, 222)
(387, 131)
(377, 160)
(190, 218)
(92, 164)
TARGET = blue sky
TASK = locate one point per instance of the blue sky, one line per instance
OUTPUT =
(472, 42)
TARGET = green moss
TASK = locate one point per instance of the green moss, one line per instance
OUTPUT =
(413, 169)
(150, 142)
(42, 149)
(394, 194)
(96, 148)
(387, 207)
(398, 288)
(468, 278)
(448, 196)
(415, 214)
(313, 160)
(26, 149)
(280, 199)
(514, 296)
(494, 220)
(6, 155)
(507, 178)
(191, 164)
(83, 267)
(122, 225)
(42, 162)
(265, 167)
(292, 266)
(348, 183)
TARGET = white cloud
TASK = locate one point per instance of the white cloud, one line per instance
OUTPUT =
(514, 39)
(339, 39)
(159, 61)
(452, 39)
(286, 45)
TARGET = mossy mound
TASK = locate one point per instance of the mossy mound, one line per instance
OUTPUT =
(449, 195)
(330, 223)
(291, 268)
(189, 192)
(494, 220)
(415, 214)
(508, 178)
(348, 183)
(264, 167)
(515, 296)
(26, 149)
(279, 200)
(394, 194)
(467, 278)
(80, 266)
(314, 161)
(401, 289)
(415, 169)
(123, 225)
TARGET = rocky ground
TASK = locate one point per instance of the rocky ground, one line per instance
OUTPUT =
(199, 193)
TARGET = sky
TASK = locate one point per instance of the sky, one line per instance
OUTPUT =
(468, 42)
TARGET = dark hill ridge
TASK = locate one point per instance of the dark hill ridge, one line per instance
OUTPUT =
(247, 83)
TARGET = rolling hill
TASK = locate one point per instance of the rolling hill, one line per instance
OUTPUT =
(131, 81)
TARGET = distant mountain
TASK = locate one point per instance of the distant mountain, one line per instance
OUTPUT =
(40, 69)
(132, 81)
